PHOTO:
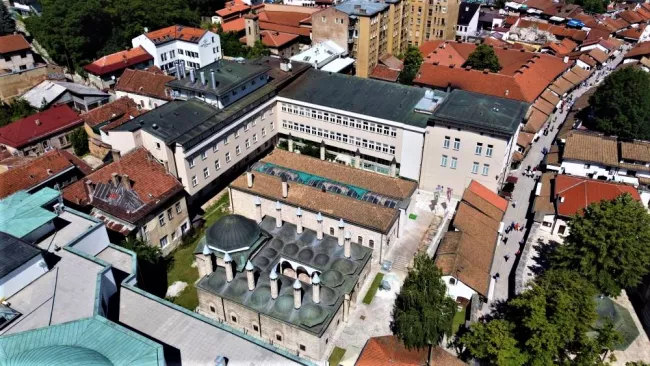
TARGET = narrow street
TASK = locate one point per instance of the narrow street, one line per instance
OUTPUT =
(523, 195)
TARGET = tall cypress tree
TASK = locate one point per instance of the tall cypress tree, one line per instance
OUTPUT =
(7, 23)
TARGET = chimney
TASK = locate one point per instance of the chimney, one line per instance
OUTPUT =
(38, 122)
(274, 284)
(319, 231)
(566, 59)
(341, 232)
(116, 179)
(126, 182)
(228, 264)
(258, 208)
(214, 82)
(347, 247)
(250, 276)
(285, 187)
(299, 221)
(90, 190)
(297, 294)
(315, 290)
(249, 177)
(278, 214)
(507, 92)
(203, 81)
(485, 71)
(192, 76)
(116, 154)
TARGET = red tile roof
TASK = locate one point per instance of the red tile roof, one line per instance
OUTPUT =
(632, 33)
(233, 8)
(118, 60)
(13, 43)
(615, 24)
(559, 31)
(176, 32)
(630, 17)
(488, 195)
(383, 72)
(389, 351)
(108, 112)
(144, 82)
(301, 31)
(38, 170)
(275, 39)
(39, 126)
(578, 193)
(149, 180)
(638, 51)
(127, 116)
(236, 25)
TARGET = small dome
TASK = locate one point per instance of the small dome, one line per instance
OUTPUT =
(321, 259)
(237, 287)
(332, 278)
(328, 296)
(233, 232)
(283, 304)
(59, 355)
(312, 315)
(345, 266)
(277, 243)
(291, 249)
(261, 296)
(262, 261)
(306, 254)
(269, 252)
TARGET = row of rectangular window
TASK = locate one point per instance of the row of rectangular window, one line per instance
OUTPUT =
(164, 241)
(477, 151)
(444, 160)
(226, 141)
(337, 136)
(340, 120)
(170, 214)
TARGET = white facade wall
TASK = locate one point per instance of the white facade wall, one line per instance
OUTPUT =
(17, 62)
(434, 174)
(143, 101)
(243, 203)
(22, 276)
(124, 141)
(208, 49)
(592, 46)
(458, 289)
(94, 241)
(582, 169)
(396, 140)
(470, 30)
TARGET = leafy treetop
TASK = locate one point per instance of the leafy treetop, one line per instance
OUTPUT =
(7, 22)
(412, 61)
(483, 57)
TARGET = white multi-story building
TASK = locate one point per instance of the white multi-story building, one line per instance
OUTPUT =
(180, 47)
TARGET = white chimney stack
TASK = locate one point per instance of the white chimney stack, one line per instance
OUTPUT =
(285, 187)
(258, 208)
(319, 229)
(249, 177)
(341, 232)
(299, 221)
(315, 290)
(250, 276)
(274, 284)
(228, 263)
(297, 294)
(278, 214)
(347, 247)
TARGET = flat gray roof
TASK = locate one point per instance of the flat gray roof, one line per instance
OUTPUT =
(14, 253)
(483, 112)
(375, 98)
(363, 7)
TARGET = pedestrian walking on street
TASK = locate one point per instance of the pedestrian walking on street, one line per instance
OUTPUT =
(518, 252)
(514, 203)
(505, 240)
(506, 257)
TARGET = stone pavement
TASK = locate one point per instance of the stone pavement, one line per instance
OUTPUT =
(373, 320)
(518, 210)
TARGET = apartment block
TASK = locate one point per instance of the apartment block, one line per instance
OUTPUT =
(433, 20)
(369, 30)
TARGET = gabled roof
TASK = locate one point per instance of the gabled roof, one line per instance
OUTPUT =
(630, 16)
(574, 194)
(145, 82)
(176, 32)
(632, 33)
(639, 50)
(150, 183)
(466, 12)
(591, 147)
(275, 39)
(236, 25)
(485, 200)
(48, 91)
(383, 72)
(108, 112)
(232, 8)
(118, 60)
(39, 170)
(389, 351)
(39, 126)
(13, 43)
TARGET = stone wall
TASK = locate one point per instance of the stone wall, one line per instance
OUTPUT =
(15, 84)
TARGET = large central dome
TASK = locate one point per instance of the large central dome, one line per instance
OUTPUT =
(232, 233)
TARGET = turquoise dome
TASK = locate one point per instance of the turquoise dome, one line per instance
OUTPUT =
(57, 355)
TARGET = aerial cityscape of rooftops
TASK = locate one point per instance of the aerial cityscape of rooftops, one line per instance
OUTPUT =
(325, 182)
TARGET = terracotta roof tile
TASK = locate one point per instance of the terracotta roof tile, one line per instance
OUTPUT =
(535, 122)
(277, 39)
(38, 170)
(630, 17)
(143, 82)
(284, 28)
(598, 55)
(149, 179)
(525, 138)
(176, 32)
(636, 151)
(383, 72)
(236, 25)
(561, 86)
(544, 203)
(232, 8)
(389, 351)
(118, 60)
(639, 50)
(108, 112)
(632, 33)
(485, 200)
(550, 97)
(13, 43)
(544, 106)
(591, 147)
(578, 193)
(38, 126)
(126, 117)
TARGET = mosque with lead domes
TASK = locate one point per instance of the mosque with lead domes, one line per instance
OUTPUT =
(288, 285)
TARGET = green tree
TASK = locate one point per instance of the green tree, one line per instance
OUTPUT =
(494, 343)
(552, 323)
(231, 46)
(258, 50)
(79, 141)
(483, 57)
(636, 363)
(621, 105)
(609, 244)
(7, 22)
(18, 109)
(592, 6)
(412, 61)
(422, 313)
(152, 266)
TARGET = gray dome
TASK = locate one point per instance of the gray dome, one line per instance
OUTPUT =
(312, 315)
(59, 355)
(332, 278)
(233, 232)
(345, 266)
